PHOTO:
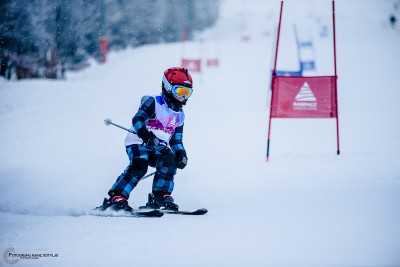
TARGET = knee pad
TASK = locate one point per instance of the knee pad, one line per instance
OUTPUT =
(138, 167)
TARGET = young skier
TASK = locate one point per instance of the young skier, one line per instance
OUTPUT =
(158, 125)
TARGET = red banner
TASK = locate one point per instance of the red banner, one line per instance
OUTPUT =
(212, 62)
(193, 65)
(304, 97)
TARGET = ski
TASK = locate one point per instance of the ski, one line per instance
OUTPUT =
(150, 213)
(184, 212)
(133, 213)
(168, 208)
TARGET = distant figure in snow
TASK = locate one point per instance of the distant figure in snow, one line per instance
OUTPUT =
(392, 20)
(158, 125)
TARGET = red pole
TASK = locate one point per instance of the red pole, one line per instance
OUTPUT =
(273, 79)
(334, 60)
(269, 122)
(277, 40)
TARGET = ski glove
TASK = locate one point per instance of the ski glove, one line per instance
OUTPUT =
(181, 159)
(148, 137)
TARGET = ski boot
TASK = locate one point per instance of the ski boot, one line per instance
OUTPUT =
(115, 203)
(168, 203)
(165, 202)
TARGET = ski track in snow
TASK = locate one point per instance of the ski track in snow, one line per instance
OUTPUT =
(306, 207)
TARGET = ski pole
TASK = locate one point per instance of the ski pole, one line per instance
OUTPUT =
(109, 122)
(147, 175)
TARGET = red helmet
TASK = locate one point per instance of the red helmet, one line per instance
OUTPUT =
(177, 85)
(175, 76)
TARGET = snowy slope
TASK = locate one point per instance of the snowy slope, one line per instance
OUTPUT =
(306, 207)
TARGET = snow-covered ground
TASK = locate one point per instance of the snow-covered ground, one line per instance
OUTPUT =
(306, 207)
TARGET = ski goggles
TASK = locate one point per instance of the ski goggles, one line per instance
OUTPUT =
(181, 92)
